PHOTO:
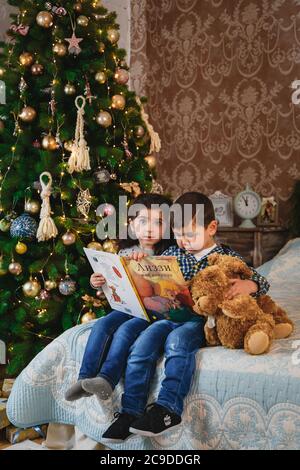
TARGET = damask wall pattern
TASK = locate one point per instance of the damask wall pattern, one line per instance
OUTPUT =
(217, 74)
(218, 77)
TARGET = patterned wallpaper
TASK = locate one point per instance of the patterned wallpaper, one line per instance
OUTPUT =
(218, 74)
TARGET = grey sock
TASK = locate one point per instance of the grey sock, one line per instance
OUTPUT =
(98, 386)
(76, 391)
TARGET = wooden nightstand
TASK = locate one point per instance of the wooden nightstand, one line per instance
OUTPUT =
(257, 245)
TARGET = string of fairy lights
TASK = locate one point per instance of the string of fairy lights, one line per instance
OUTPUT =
(51, 139)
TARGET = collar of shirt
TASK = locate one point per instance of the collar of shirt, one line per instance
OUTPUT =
(176, 251)
(200, 254)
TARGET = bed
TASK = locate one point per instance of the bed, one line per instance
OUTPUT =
(236, 401)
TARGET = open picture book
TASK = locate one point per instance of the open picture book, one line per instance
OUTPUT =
(155, 283)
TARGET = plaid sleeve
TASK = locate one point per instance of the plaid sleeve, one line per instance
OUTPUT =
(171, 251)
(261, 281)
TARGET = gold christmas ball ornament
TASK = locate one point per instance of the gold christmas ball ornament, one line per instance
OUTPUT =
(77, 7)
(151, 160)
(101, 77)
(101, 47)
(37, 69)
(50, 284)
(32, 288)
(60, 49)
(21, 248)
(15, 268)
(104, 119)
(95, 246)
(2, 72)
(121, 76)
(113, 35)
(88, 316)
(70, 89)
(110, 246)
(32, 207)
(139, 131)
(44, 19)
(69, 238)
(26, 59)
(68, 145)
(118, 102)
(27, 114)
(82, 21)
(49, 142)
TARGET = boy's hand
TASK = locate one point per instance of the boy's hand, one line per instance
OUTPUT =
(241, 286)
(97, 280)
(137, 256)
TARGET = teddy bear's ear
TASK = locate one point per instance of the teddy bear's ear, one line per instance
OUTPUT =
(236, 266)
(213, 259)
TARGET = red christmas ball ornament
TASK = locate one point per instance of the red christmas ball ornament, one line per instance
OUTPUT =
(36, 144)
(108, 210)
(121, 76)
(44, 295)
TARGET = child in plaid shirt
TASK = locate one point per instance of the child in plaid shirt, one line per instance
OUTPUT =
(179, 337)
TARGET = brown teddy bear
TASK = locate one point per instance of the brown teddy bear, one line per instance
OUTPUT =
(242, 322)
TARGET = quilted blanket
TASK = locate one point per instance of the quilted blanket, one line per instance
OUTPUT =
(236, 401)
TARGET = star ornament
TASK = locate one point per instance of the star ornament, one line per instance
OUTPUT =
(74, 47)
(84, 202)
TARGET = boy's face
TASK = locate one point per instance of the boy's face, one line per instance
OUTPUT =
(194, 238)
(149, 226)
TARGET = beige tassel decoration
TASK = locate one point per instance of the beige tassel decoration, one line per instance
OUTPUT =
(155, 139)
(47, 228)
(80, 156)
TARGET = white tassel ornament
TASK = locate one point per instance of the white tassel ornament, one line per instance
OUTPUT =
(80, 156)
(47, 228)
(155, 139)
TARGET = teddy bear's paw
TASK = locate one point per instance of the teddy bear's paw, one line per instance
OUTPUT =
(283, 330)
(257, 342)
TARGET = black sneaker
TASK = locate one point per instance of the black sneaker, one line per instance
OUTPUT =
(119, 430)
(155, 421)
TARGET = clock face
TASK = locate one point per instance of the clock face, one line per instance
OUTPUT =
(247, 205)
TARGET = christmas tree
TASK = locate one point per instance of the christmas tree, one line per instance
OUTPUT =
(72, 137)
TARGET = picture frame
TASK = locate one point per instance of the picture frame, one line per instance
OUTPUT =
(269, 214)
(223, 206)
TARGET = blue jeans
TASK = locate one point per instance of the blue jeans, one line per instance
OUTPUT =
(109, 344)
(180, 341)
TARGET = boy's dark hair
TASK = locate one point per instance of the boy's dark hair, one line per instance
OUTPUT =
(148, 200)
(194, 199)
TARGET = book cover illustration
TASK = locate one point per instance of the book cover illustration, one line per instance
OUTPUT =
(159, 283)
(118, 289)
